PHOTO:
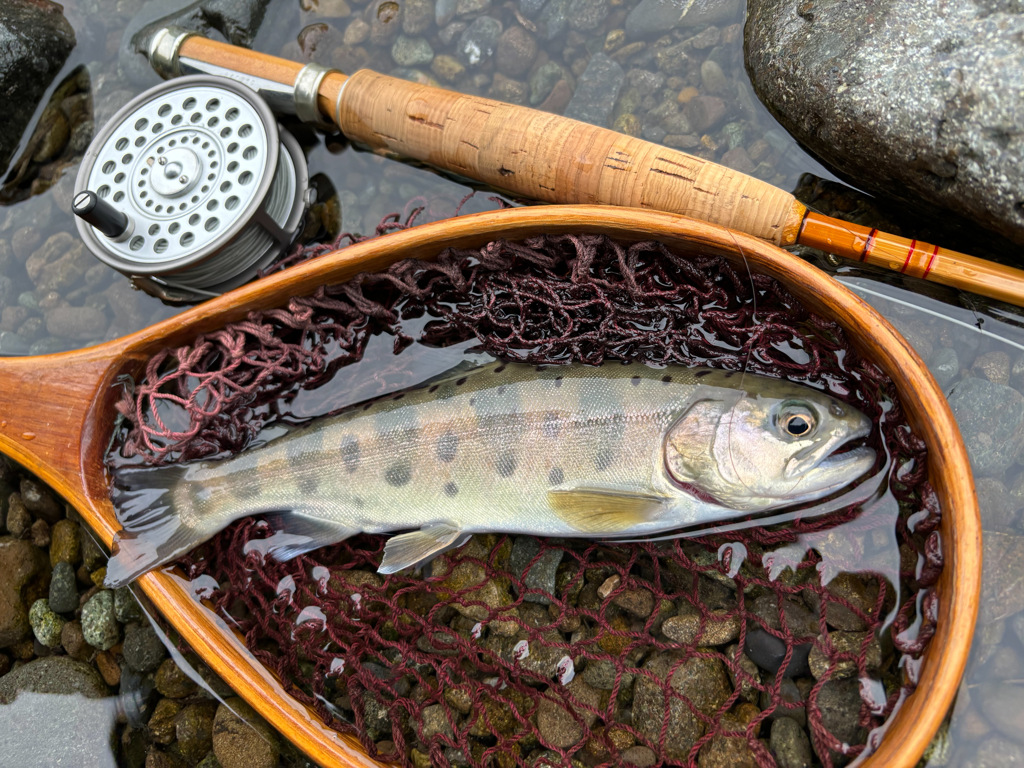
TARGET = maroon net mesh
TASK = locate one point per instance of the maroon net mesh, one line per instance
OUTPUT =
(524, 651)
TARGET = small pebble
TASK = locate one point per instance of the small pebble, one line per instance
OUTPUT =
(99, 624)
(143, 650)
(40, 502)
(65, 543)
(241, 738)
(172, 682)
(46, 625)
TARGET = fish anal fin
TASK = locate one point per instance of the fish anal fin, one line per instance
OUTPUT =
(298, 533)
(597, 510)
(416, 547)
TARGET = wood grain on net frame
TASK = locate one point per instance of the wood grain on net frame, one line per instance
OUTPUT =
(554, 159)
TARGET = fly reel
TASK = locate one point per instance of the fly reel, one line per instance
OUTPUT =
(191, 188)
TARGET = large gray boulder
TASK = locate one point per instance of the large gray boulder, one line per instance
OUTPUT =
(35, 40)
(918, 101)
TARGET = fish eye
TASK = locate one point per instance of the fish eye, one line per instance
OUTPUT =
(797, 421)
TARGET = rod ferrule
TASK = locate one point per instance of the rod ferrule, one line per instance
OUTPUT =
(164, 50)
(307, 92)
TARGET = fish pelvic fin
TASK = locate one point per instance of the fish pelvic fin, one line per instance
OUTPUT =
(416, 547)
(299, 532)
(605, 511)
(154, 532)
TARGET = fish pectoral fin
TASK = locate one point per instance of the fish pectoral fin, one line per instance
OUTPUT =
(416, 547)
(299, 532)
(599, 510)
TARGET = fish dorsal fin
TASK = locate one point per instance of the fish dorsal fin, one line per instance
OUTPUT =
(415, 547)
(599, 510)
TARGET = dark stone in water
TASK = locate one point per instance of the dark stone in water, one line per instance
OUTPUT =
(35, 40)
(768, 652)
(910, 100)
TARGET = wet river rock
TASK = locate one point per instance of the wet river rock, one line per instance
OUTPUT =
(916, 101)
(35, 40)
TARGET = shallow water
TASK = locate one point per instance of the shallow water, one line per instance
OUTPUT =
(370, 187)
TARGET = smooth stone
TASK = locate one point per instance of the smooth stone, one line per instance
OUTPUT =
(82, 323)
(553, 19)
(63, 588)
(478, 41)
(193, 730)
(541, 576)
(444, 12)
(543, 80)
(53, 674)
(1003, 706)
(40, 501)
(855, 83)
(557, 725)
(99, 623)
(839, 703)
(417, 17)
(35, 41)
(143, 649)
(790, 745)
(411, 51)
(65, 542)
(12, 343)
(596, 91)
(59, 264)
(944, 366)
(517, 51)
(530, 8)
(860, 591)
(656, 17)
(19, 562)
(242, 739)
(702, 681)
(126, 607)
(768, 652)
(713, 78)
(585, 15)
(172, 682)
(994, 752)
(46, 625)
(991, 421)
(447, 68)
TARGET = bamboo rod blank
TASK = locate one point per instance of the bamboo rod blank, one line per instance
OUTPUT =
(555, 159)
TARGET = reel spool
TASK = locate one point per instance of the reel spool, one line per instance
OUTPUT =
(191, 189)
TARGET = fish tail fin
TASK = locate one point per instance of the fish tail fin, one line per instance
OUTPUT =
(158, 522)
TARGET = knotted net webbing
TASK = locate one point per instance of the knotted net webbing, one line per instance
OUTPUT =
(523, 651)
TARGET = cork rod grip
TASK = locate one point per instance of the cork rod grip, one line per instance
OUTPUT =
(555, 159)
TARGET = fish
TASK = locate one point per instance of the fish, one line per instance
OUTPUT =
(610, 451)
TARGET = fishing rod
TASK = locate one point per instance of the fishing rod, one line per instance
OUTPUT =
(525, 152)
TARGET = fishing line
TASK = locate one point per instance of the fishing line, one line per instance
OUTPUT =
(947, 318)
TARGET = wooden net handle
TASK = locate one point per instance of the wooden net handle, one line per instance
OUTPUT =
(527, 152)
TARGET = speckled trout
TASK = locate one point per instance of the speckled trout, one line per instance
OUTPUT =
(613, 451)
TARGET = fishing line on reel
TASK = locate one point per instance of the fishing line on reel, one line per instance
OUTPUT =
(192, 188)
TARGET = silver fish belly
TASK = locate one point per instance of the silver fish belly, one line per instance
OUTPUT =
(607, 451)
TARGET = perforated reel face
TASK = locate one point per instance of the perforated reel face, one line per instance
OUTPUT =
(189, 162)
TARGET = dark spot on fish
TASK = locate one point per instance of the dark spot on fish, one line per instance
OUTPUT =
(358, 502)
(447, 446)
(499, 369)
(603, 459)
(472, 402)
(368, 406)
(635, 381)
(434, 388)
(701, 374)
(538, 368)
(398, 474)
(399, 396)
(558, 381)
(307, 483)
(501, 389)
(551, 426)
(350, 453)
(450, 488)
(666, 379)
(506, 464)
(461, 381)
(556, 476)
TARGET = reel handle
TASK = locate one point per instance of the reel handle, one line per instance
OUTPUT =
(555, 159)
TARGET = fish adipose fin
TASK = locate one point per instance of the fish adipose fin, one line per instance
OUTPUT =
(597, 510)
(416, 547)
(153, 533)
(299, 532)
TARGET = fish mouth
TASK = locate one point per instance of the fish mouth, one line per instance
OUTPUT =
(833, 455)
